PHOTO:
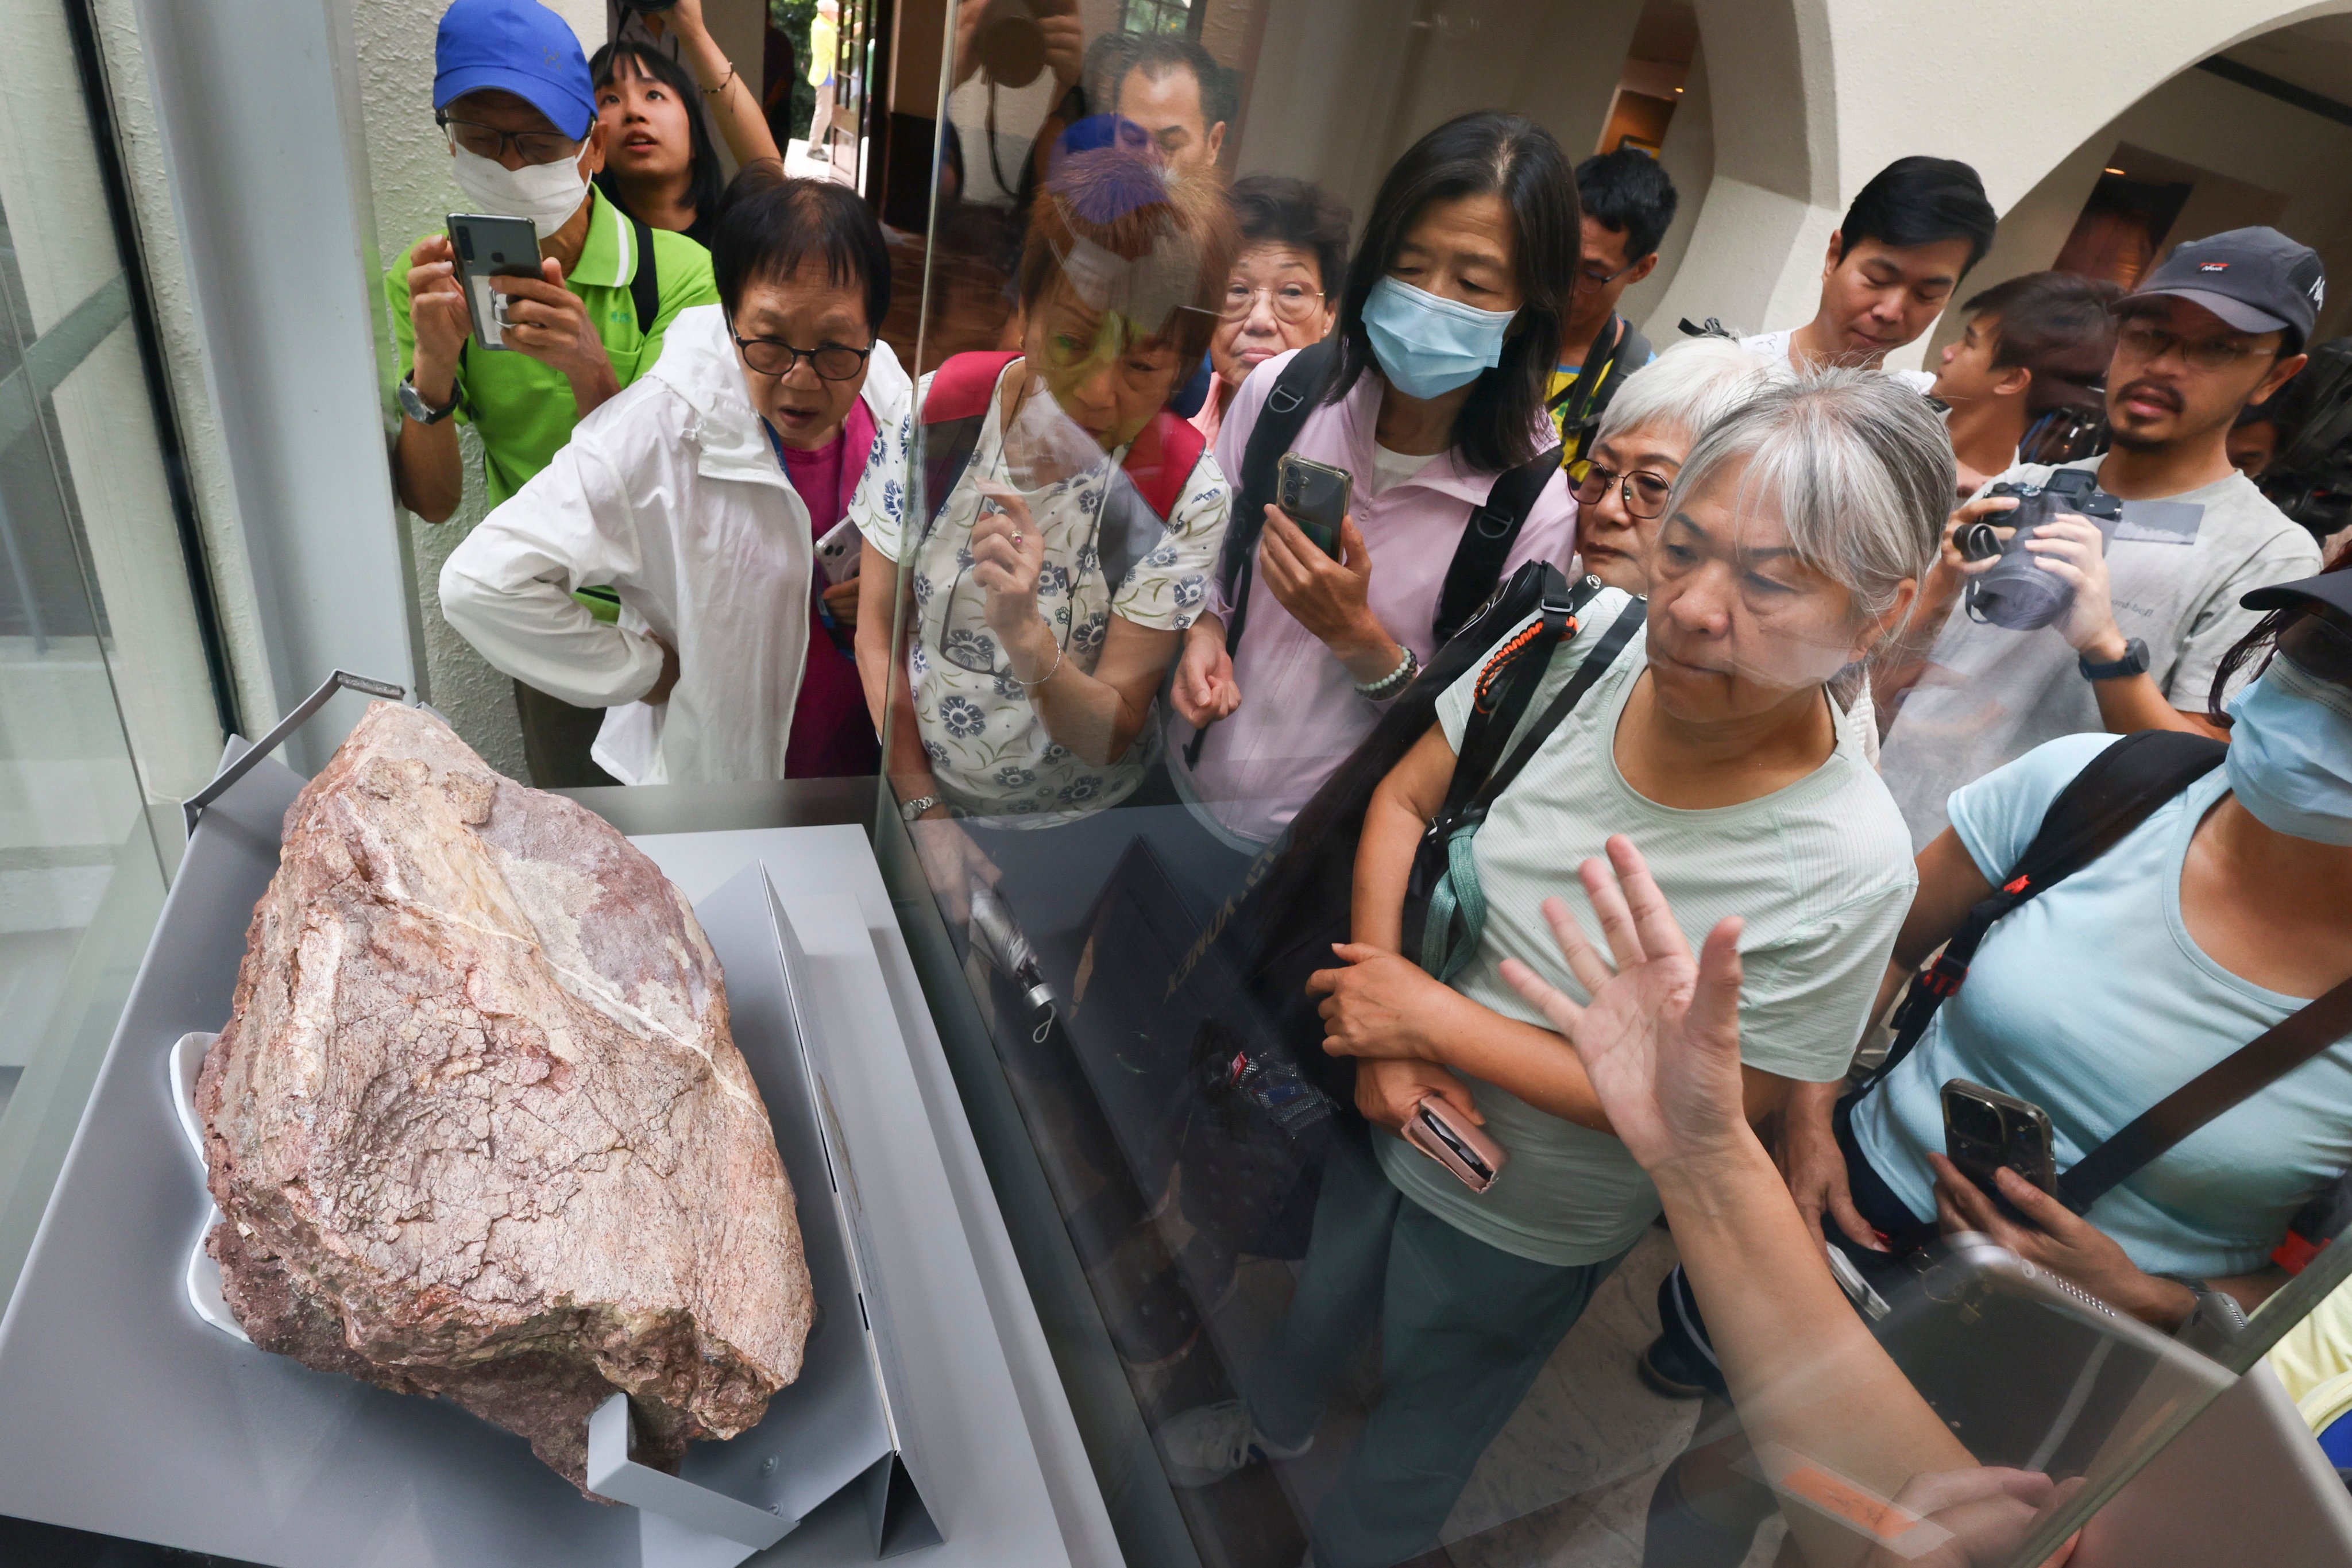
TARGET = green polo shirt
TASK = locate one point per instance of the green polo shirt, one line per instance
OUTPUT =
(522, 408)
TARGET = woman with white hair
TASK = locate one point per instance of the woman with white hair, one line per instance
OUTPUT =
(1623, 479)
(1792, 543)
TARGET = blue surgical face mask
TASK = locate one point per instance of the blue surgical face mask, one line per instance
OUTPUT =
(1428, 346)
(2290, 758)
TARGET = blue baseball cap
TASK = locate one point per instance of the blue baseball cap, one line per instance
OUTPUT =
(518, 47)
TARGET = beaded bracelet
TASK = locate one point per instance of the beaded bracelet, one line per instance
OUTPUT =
(1394, 682)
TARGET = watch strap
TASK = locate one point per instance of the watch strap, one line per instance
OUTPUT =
(2134, 662)
(910, 809)
(412, 404)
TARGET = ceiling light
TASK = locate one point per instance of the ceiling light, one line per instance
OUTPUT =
(1678, 90)
(2113, 171)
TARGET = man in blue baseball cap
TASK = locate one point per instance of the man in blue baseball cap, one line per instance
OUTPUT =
(511, 93)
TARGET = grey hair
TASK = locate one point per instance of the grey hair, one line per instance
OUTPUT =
(1862, 467)
(1689, 387)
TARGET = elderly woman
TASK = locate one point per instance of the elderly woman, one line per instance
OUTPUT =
(1282, 294)
(1430, 392)
(1795, 535)
(1622, 484)
(1072, 519)
(696, 498)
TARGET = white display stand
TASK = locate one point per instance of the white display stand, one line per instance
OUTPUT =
(127, 1413)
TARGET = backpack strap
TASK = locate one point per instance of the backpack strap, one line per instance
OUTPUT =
(2115, 791)
(2244, 1072)
(1486, 541)
(1284, 412)
(645, 285)
(954, 408)
(1444, 887)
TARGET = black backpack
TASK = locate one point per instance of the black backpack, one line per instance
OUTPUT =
(1478, 556)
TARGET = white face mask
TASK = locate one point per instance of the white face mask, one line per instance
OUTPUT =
(547, 194)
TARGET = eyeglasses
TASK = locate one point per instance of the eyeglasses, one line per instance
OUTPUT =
(1588, 278)
(1643, 492)
(1291, 302)
(489, 142)
(2152, 343)
(774, 356)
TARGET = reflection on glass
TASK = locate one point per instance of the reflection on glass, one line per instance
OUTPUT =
(1160, 748)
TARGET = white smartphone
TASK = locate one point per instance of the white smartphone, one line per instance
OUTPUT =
(839, 553)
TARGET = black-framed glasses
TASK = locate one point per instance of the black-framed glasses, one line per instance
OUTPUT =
(489, 141)
(1643, 492)
(2152, 343)
(774, 356)
(1588, 278)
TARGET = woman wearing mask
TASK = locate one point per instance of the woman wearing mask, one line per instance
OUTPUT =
(2209, 923)
(696, 498)
(1294, 253)
(1795, 537)
(1435, 390)
(1070, 540)
(659, 165)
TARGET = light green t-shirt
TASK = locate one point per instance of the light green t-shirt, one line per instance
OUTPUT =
(1820, 870)
(524, 410)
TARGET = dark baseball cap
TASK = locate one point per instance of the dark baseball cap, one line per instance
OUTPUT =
(2333, 589)
(520, 47)
(2256, 279)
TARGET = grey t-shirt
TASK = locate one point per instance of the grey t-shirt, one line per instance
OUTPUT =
(1818, 869)
(1989, 694)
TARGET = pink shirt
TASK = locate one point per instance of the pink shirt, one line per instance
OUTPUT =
(1300, 714)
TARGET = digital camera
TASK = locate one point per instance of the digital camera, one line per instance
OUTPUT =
(2018, 593)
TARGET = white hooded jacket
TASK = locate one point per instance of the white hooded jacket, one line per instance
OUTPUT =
(670, 495)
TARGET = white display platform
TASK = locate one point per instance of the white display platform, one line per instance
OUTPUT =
(122, 1412)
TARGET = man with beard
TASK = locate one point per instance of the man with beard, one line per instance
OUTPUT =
(2219, 325)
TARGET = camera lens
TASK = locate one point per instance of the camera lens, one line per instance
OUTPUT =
(1976, 542)
(1977, 1122)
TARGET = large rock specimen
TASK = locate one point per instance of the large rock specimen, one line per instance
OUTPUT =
(477, 1125)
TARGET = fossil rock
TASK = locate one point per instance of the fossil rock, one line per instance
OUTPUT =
(477, 1124)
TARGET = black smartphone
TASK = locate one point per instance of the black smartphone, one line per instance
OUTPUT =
(491, 248)
(1316, 496)
(1985, 1130)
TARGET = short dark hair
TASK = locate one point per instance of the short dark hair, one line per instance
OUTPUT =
(1158, 53)
(1483, 153)
(770, 222)
(1921, 201)
(1276, 209)
(705, 185)
(1627, 191)
(2058, 325)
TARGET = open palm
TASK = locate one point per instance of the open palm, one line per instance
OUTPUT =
(1660, 1037)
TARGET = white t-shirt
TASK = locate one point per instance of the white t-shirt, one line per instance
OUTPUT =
(1770, 351)
(1394, 468)
(1989, 694)
(1820, 870)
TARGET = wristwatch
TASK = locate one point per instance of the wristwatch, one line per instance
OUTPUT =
(910, 809)
(412, 404)
(2134, 662)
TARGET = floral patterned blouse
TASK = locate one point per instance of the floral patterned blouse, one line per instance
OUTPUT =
(989, 750)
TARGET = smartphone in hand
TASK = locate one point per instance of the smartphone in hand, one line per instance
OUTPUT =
(1985, 1130)
(1456, 1142)
(1316, 497)
(840, 552)
(491, 248)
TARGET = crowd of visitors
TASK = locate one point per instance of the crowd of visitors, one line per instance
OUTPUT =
(1268, 534)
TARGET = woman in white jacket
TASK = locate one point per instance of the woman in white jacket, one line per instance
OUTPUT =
(696, 497)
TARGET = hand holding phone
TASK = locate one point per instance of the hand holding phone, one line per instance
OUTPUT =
(839, 553)
(1460, 1145)
(489, 247)
(1985, 1130)
(1316, 497)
